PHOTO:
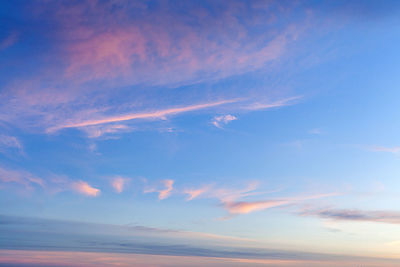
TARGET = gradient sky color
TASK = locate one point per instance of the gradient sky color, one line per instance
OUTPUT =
(200, 133)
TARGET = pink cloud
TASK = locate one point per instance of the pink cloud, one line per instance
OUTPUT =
(119, 183)
(244, 207)
(23, 178)
(248, 207)
(109, 45)
(195, 193)
(165, 192)
(99, 48)
(231, 194)
(231, 198)
(85, 189)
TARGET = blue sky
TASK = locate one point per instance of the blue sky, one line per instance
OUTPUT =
(258, 125)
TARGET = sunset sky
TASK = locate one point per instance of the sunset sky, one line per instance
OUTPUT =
(200, 133)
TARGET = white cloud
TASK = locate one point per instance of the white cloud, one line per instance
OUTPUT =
(219, 121)
(7, 141)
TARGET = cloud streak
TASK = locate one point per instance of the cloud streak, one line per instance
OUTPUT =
(355, 215)
(51, 184)
(232, 199)
(70, 236)
(26, 179)
(245, 207)
(105, 60)
(160, 114)
(394, 150)
(273, 104)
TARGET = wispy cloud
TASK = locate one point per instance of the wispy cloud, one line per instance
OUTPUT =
(232, 198)
(119, 183)
(244, 207)
(51, 183)
(85, 189)
(26, 179)
(143, 50)
(315, 131)
(7, 141)
(219, 121)
(98, 51)
(165, 192)
(96, 131)
(392, 217)
(10, 40)
(159, 114)
(224, 194)
(394, 150)
(195, 193)
(273, 104)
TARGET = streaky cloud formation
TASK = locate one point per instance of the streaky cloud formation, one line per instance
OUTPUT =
(199, 133)
(160, 114)
(394, 150)
(132, 48)
(26, 179)
(257, 105)
(33, 258)
(134, 240)
(244, 207)
(355, 215)
(230, 198)
(122, 50)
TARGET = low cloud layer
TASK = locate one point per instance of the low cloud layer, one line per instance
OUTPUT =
(80, 237)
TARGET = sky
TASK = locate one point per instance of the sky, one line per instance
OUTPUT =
(200, 133)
